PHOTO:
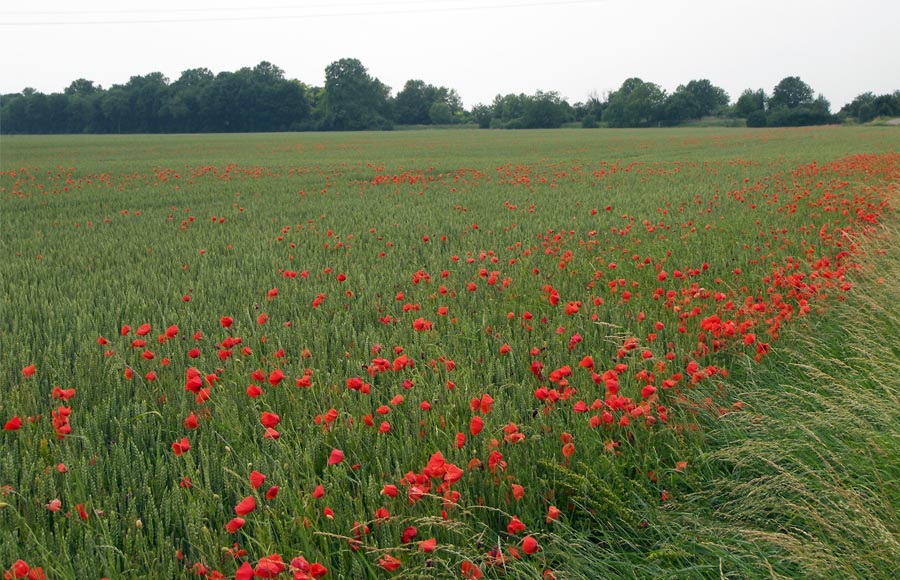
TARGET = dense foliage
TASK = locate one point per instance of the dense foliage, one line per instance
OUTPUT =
(261, 99)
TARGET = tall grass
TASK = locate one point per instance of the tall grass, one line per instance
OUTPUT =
(453, 245)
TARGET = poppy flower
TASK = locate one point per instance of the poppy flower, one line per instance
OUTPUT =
(81, 513)
(336, 457)
(19, 569)
(272, 492)
(256, 479)
(476, 425)
(552, 514)
(191, 421)
(269, 419)
(269, 566)
(62, 394)
(470, 570)
(180, 447)
(172, 331)
(29, 370)
(389, 490)
(13, 424)
(54, 505)
(530, 545)
(389, 563)
(515, 526)
(245, 506)
(319, 491)
(428, 545)
(234, 525)
(226, 321)
(245, 572)
(276, 377)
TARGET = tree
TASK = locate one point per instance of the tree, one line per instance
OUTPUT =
(483, 115)
(635, 104)
(749, 102)
(791, 93)
(188, 109)
(544, 111)
(354, 99)
(412, 104)
(439, 113)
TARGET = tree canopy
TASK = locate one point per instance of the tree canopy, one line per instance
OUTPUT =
(261, 98)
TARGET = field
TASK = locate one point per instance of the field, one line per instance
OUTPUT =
(453, 354)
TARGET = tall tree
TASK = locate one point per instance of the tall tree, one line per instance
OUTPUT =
(749, 102)
(354, 100)
(635, 104)
(791, 93)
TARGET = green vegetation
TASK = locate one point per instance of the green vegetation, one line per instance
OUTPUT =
(261, 99)
(452, 354)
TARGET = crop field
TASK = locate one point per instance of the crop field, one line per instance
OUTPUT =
(452, 354)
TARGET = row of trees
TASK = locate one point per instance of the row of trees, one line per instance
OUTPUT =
(261, 99)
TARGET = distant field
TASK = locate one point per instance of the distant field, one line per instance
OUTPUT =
(530, 354)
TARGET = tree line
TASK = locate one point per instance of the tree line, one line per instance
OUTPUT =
(262, 99)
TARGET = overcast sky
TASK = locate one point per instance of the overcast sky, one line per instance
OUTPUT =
(478, 47)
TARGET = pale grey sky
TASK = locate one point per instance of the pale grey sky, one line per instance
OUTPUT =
(478, 47)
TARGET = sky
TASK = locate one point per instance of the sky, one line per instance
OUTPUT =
(480, 48)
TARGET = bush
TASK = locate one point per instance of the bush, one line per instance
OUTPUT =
(757, 119)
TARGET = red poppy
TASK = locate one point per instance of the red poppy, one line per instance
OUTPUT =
(256, 479)
(19, 570)
(389, 563)
(515, 526)
(226, 321)
(269, 566)
(245, 506)
(530, 545)
(172, 331)
(276, 377)
(428, 545)
(143, 330)
(552, 514)
(336, 457)
(245, 572)
(470, 570)
(62, 394)
(29, 370)
(81, 513)
(476, 425)
(13, 424)
(272, 492)
(269, 419)
(234, 525)
(180, 447)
